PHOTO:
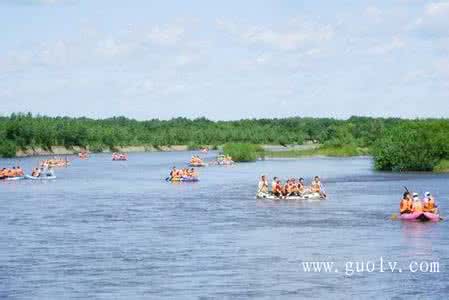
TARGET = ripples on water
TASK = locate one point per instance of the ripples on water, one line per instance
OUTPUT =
(117, 230)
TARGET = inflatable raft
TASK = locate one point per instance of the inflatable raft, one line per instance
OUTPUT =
(197, 165)
(13, 178)
(44, 177)
(182, 179)
(311, 196)
(224, 162)
(119, 159)
(420, 216)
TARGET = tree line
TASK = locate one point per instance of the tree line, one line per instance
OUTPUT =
(385, 137)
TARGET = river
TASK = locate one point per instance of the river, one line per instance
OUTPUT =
(109, 229)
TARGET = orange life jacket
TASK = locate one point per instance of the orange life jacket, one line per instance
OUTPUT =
(417, 206)
(405, 205)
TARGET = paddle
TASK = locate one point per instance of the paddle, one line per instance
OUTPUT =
(394, 216)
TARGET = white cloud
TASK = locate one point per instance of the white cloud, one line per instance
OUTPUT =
(297, 35)
(385, 48)
(184, 60)
(434, 20)
(373, 13)
(437, 9)
(41, 2)
(110, 47)
(166, 36)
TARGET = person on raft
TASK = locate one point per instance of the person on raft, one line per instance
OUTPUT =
(417, 204)
(276, 188)
(36, 172)
(317, 187)
(263, 185)
(50, 172)
(406, 204)
(291, 188)
(429, 203)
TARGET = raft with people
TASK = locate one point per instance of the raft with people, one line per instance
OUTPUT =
(196, 162)
(119, 156)
(182, 175)
(83, 155)
(412, 208)
(224, 160)
(42, 177)
(10, 174)
(293, 189)
(55, 163)
(43, 172)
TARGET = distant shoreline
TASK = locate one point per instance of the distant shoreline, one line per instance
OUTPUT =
(62, 150)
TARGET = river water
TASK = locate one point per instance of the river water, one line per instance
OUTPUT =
(108, 230)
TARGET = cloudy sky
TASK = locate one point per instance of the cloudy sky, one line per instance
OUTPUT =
(224, 59)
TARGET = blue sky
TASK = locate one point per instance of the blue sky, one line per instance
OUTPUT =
(224, 60)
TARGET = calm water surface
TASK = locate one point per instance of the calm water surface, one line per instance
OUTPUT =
(109, 230)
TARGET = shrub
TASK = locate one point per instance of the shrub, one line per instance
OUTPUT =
(8, 149)
(243, 152)
(411, 147)
(442, 166)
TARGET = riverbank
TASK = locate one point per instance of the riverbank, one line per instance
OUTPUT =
(331, 151)
(61, 150)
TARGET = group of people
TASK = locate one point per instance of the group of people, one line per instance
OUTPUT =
(83, 155)
(176, 174)
(196, 160)
(224, 160)
(42, 171)
(292, 187)
(411, 203)
(119, 156)
(54, 162)
(17, 172)
(11, 172)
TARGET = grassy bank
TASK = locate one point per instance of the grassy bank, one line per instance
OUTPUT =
(442, 166)
(243, 152)
(333, 151)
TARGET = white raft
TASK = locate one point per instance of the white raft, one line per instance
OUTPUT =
(43, 177)
(14, 178)
(309, 196)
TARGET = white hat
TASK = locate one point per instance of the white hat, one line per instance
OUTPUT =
(427, 194)
(415, 195)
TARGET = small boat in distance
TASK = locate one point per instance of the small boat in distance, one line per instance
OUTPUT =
(119, 156)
